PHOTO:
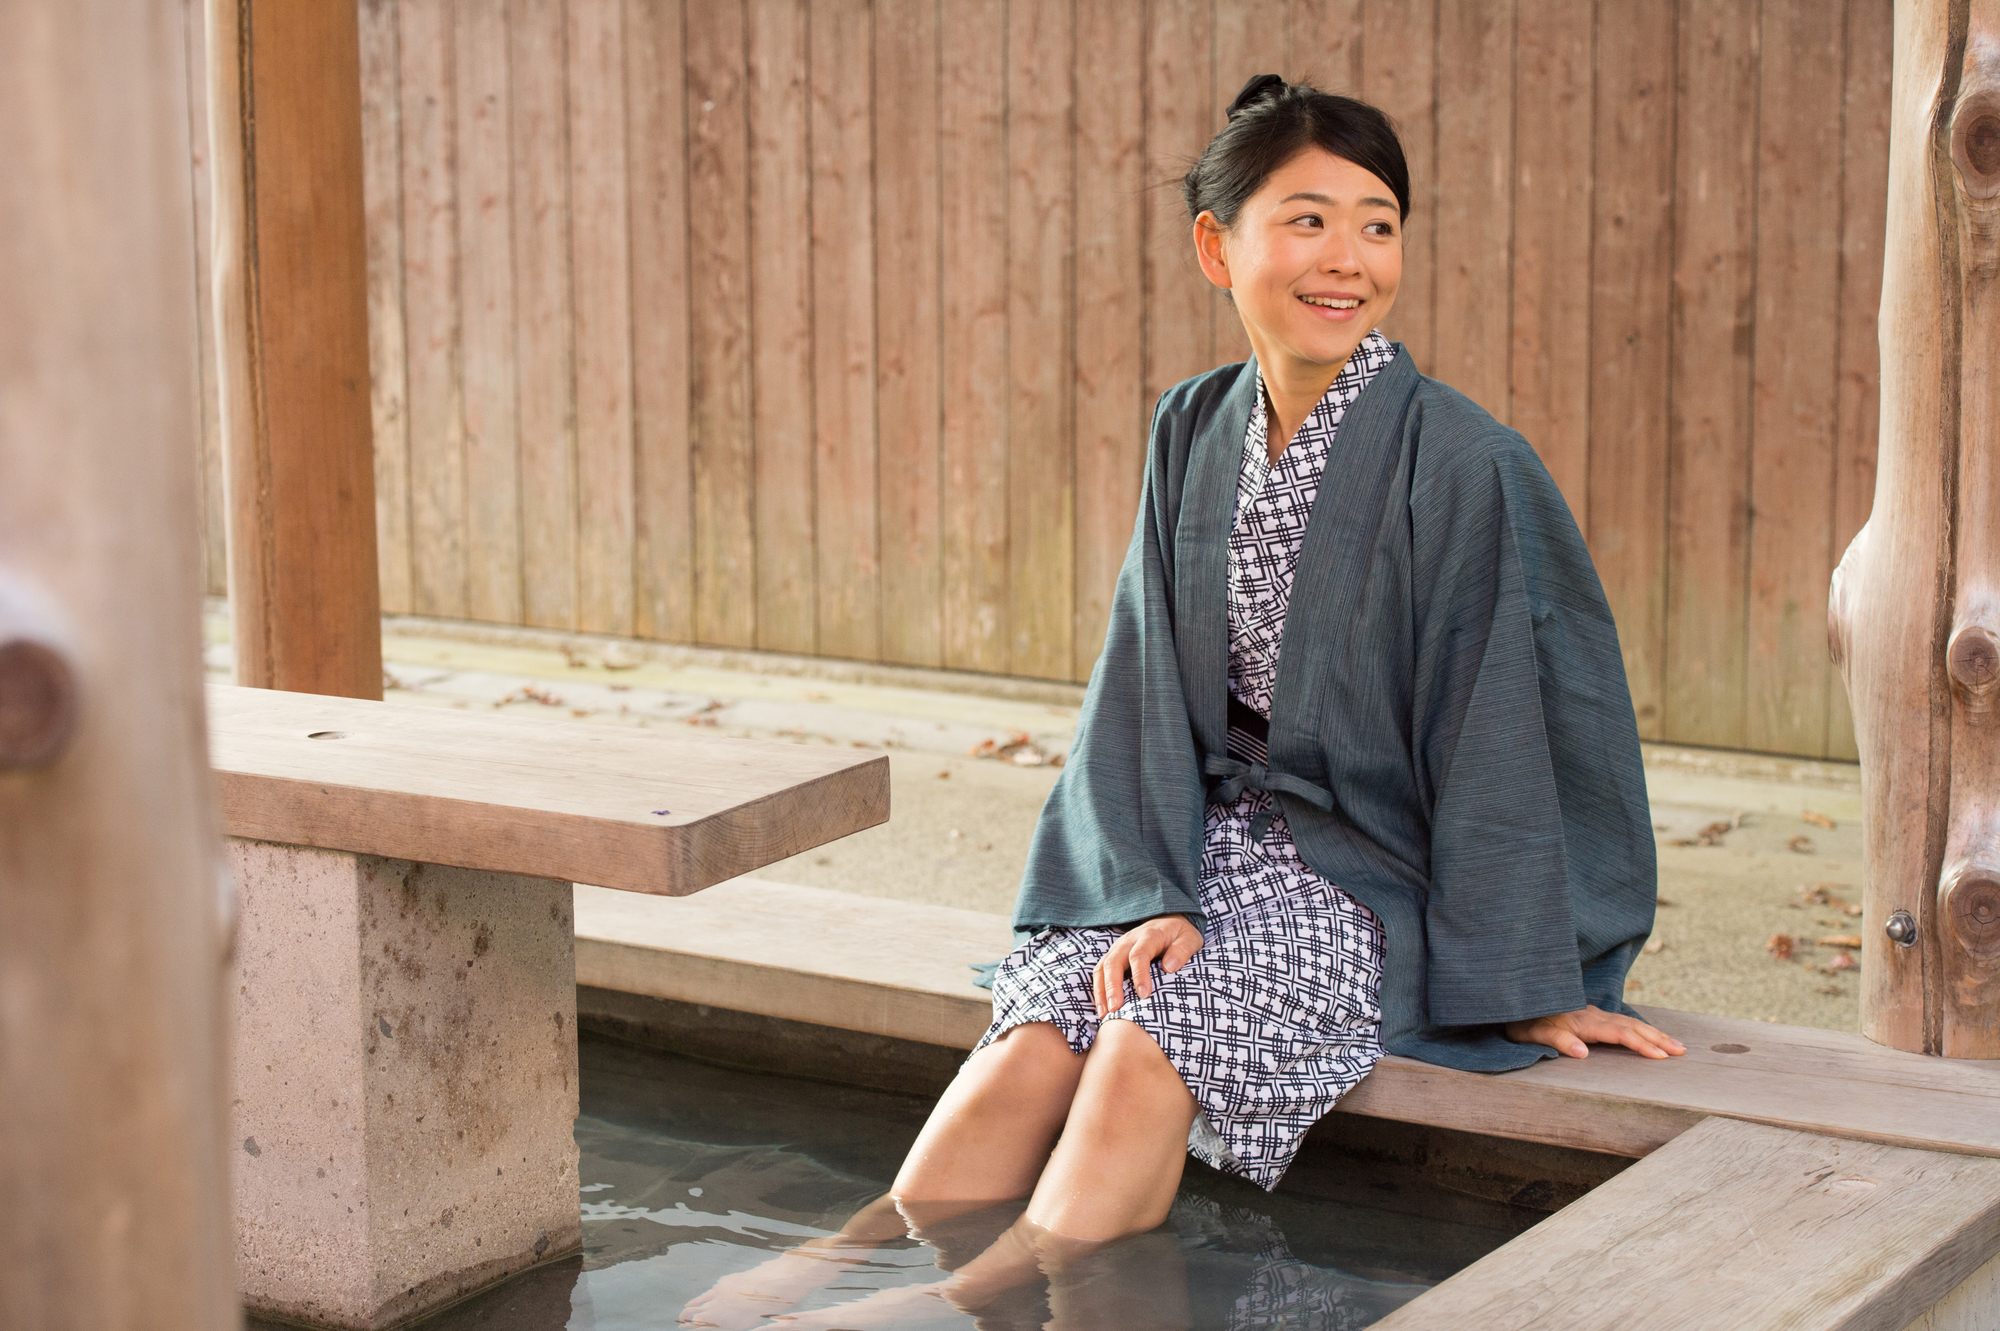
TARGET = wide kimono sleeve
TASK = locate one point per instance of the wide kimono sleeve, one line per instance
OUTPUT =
(1119, 839)
(1542, 874)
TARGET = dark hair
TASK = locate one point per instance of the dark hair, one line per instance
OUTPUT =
(1271, 122)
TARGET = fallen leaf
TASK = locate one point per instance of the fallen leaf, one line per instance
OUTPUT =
(1654, 945)
(1842, 961)
(1632, 986)
(1662, 901)
(529, 693)
(945, 775)
(1712, 834)
(1841, 940)
(1780, 947)
(1850, 910)
(1830, 990)
(1800, 845)
(1817, 819)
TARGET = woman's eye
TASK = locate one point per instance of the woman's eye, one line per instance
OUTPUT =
(1309, 219)
(1379, 229)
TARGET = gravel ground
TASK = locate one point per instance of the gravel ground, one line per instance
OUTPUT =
(1734, 870)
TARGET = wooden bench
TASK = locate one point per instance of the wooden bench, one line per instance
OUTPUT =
(405, 1033)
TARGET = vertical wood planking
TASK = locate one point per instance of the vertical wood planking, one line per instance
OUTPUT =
(1713, 329)
(430, 302)
(907, 256)
(382, 198)
(1864, 190)
(486, 303)
(1249, 40)
(538, 41)
(1180, 330)
(1399, 74)
(601, 278)
(1323, 44)
(1041, 424)
(973, 297)
(1111, 407)
(848, 568)
(1475, 179)
(211, 518)
(1549, 373)
(719, 440)
(656, 151)
(1631, 285)
(1796, 354)
(781, 408)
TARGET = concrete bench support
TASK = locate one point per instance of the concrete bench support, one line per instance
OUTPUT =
(405, 1065)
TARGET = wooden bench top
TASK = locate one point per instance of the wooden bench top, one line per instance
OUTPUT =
(1741, 1226)
(897, 968)
(639, 810)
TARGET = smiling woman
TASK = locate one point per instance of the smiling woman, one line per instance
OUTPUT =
(1421, 828)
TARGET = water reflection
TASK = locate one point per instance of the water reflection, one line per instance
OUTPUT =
(695, 1177)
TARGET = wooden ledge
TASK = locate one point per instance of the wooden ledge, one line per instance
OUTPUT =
(897, 968)
(636, 810)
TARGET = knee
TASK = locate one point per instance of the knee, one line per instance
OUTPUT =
(1126, 1055)
(1033, 1056)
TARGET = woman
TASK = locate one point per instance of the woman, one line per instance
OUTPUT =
(1357, 769)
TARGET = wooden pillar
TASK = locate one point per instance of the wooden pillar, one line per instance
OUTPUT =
(1914, 610)
(291, 310)
(114, 1181)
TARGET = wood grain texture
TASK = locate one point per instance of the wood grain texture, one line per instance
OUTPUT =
(425, 44)
(719, 398)
(1973, 1306)
(909, 367)
(656, 153)
(1475, 172)
(291, 307)
(551, 799)
(1549, 373)
(1249, 40)
(114, 1029)
(1399, 74)
(1713, 336)
(1632, 233)
(485, 245)
(1180, 113)
(1111, 406)
(601, 277)
(1864, 185)
(1041, 425)
(544, 328)
(1864, 1236)
(211, 512)
(382, 199)
(846, 524)
(973, 296)
(781, 323)
(1792, 464)
(1323, 44)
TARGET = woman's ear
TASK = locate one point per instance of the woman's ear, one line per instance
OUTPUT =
(1211, 249)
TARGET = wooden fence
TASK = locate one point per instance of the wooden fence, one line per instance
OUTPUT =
(834, 327)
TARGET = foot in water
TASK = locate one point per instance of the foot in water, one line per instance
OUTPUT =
(747, 1299)
(905, 1308)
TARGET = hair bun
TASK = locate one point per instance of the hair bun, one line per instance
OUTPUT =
(1260, 89)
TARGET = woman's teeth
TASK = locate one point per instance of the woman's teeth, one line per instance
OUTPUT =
(1331, 303)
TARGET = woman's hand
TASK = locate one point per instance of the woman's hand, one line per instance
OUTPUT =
(1170, 940)
(1570, 1033)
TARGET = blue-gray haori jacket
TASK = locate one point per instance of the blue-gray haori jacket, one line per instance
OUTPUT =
(1452, 738)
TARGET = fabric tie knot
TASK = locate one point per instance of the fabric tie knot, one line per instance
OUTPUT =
(1239, 776)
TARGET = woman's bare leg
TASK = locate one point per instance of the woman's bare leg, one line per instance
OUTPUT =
(986, 1141)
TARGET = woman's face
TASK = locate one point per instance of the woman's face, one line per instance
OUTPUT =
(1312, 261)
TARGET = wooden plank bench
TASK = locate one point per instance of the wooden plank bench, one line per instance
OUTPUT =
(404, 968)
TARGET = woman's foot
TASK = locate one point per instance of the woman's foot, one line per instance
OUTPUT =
(904, 1308)
(745, 1299)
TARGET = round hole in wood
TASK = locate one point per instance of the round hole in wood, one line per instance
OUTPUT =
(1974, 657)
(1729, 1048)
(1982, 144)
(328, 734)
(37, 704)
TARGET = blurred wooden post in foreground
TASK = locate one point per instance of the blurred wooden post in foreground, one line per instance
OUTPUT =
(114, 1181)
(291, 310)
(1914, 611)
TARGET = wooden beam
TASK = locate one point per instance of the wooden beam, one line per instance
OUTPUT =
(1913, 614)
(114, 1179)
(291, 309)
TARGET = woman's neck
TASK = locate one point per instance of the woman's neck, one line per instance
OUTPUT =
(1291, 390)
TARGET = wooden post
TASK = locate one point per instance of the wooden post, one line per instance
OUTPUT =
(114, 1182)
(1914, 610)
(291, 310)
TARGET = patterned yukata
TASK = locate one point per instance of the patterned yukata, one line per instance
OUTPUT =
(1278, 1015)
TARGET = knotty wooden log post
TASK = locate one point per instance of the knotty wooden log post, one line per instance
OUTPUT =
(291, 311)
(1914, 609)
(114, 1183)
